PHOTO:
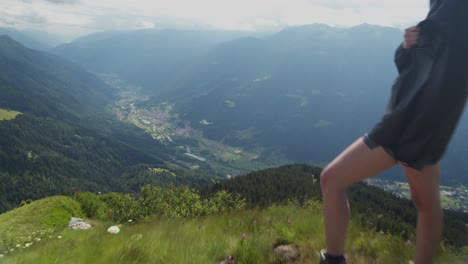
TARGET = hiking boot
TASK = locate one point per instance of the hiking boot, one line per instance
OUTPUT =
(327, 259)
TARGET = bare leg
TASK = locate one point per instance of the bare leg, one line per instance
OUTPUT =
(356, 163)
(424, 187)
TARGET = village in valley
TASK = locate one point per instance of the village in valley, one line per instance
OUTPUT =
(453, 198)
(193, 150)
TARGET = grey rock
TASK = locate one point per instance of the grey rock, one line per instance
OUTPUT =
(287, 252)
(81, 226)
(78, 224)
(73, 221)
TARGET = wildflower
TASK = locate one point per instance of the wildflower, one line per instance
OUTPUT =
(130, 220)
(1, 255)
(244, 236)
(59, 237)
(18, 245)
(137, 236)
(38, 239)
(408, 243)
(28, 245)
(12, 249)
(230, 260)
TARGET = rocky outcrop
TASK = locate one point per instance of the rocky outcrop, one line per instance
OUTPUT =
(78, 224)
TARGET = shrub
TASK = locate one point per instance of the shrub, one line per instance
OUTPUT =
(120, 207)
(157, 203)
(223, 202)
(92, 206)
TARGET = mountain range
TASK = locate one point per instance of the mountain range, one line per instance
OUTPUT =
(306, 92)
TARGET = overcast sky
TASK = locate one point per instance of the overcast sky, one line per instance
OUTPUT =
(78, 17)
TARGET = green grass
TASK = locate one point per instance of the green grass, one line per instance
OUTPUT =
(207, 240)
(8, 114)
(37, 220)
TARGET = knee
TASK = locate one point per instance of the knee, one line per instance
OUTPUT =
(324, 176)
(427, 203)
(329, 180)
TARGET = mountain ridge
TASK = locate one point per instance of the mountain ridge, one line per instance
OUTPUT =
(65, 139)
(34, 81)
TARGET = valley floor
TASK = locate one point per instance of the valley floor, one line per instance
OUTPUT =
(192, 149)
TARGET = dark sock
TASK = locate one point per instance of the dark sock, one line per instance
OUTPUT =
(334, 259)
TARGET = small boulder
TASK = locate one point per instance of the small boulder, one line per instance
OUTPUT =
(81, 226)
(73, 221)
(113, 230)
(78, 224)
(287, 252)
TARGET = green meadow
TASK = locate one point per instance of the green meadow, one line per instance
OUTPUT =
(249, 236)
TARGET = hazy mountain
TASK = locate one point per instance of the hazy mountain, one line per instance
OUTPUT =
(44, 84)
(144, 57)
(307, 91)
(25, 39)
(304, 89)
(49, 39)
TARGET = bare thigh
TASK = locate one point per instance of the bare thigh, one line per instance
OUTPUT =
(356, 163)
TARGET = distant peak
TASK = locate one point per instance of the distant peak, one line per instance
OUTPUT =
(5, 37)
(9, 40)
(8, 43)
(303, 30)
(313, 26)
(364, 25)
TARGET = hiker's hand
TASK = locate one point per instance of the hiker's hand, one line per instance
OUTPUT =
(411, 37)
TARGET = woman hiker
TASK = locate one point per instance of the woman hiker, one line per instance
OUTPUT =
(427, 100)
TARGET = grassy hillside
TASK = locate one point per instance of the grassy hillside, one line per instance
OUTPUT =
(8, 114)
(65, 140)
(210, 239)
(376, 209)
(181, 225)
(36, 220)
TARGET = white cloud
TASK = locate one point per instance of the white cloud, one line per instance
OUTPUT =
(84, 16)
